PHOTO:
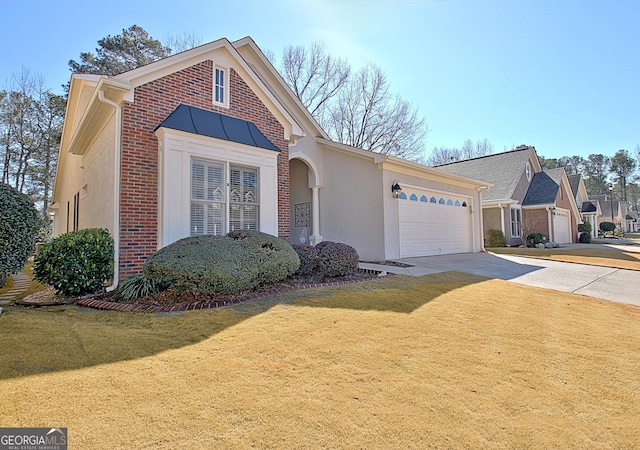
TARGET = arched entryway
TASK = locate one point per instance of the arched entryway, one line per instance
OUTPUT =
(304, 188)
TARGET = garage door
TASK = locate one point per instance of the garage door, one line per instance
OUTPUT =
(433, 223)
(561, 226)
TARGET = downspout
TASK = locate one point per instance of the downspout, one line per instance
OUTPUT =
(549, 221)
(116, 191)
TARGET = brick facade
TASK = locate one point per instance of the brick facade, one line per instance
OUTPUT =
(154, 101)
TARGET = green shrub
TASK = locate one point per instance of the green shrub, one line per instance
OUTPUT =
(308, 255)
(238, 262)
(19, 225)
(496, 239)
(535, 238)
(607, 227)
(138, 286)
(585, 227)
(336, 259)
(76, 263)
(584, 238)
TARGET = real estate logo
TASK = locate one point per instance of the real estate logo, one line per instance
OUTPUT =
(33, 439)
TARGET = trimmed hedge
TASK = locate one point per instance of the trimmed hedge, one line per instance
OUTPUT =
(336, 259)
(19, 225)
(76, 263)
(496, 239)
(308, 255)
(238, 262)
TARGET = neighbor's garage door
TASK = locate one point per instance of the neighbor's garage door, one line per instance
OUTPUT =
(561, 226)
(433, 223)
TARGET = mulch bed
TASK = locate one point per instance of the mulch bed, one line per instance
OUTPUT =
(168, 301)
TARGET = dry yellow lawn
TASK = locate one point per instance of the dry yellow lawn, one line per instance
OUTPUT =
(442, 361)
(605, 256)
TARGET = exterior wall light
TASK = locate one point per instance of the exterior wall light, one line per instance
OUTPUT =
(396, 190)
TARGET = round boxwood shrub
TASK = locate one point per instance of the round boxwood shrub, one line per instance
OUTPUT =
(496, 239)
(308, 255)
(235, 263)
(336, 259)
(584, 238)
(19, 225)
(535, 238)
(76, 263)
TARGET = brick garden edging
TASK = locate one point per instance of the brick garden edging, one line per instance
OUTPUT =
(135, 307)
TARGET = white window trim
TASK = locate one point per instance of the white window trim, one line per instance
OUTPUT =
(177, 148)
(225, 94)
(518, 222)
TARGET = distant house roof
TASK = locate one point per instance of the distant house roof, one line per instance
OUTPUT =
(503, 170)
(543, 188)
(574, 182)
(589, 207)
(212, 124)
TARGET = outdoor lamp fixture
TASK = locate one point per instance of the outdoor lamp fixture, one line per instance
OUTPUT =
(611, 190)
(396, 190)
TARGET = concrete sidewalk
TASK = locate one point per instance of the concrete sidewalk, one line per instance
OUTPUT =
(606, 283)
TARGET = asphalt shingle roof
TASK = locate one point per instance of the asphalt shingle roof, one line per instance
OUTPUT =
(503, 170)
(212, 124)
(542, 190)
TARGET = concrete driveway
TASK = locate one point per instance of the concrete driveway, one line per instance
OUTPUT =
(607, 283)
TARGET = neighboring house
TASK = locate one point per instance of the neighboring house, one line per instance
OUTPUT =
(589, 208)
(524, 199)
(212, 139)
(633, 224)
(612, 210)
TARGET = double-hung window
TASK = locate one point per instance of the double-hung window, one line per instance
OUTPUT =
(516, 222)
(218, 205)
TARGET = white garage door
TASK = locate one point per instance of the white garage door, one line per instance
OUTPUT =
(433, 223)
(561, 226)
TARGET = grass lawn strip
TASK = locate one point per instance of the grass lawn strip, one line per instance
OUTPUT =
(447, 360)
(605, 257)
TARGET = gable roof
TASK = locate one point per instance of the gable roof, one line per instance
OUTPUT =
(503, 170)
(212, 124)
(574, 182)
(543, 188)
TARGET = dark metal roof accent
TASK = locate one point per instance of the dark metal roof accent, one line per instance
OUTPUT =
(588, 207)
(212, 124)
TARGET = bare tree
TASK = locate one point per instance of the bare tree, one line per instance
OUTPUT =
(443, 155)
(30, 128)
(177, 43)
(314, 75)
(469, 150)
(366, 115)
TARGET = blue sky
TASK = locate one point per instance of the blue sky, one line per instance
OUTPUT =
(562, 75)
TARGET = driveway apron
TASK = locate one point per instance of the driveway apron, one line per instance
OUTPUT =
(606, 283)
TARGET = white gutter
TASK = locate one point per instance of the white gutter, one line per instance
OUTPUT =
(116, 192)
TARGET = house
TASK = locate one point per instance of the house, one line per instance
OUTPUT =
(212, 139)
(633, 222)
(613, 211)
(524, 199)
(589, 209)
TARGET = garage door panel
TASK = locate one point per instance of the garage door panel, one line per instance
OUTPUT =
(428, 228)
(561, 226)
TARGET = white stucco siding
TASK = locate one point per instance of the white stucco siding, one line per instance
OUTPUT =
(177, 149)
(351, 205)
(91, 176)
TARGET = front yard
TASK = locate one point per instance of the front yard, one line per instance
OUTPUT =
(444, 361)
